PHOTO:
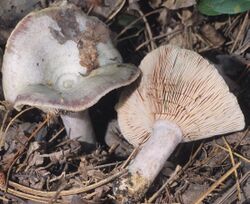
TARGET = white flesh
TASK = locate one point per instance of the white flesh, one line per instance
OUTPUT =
(78, 126)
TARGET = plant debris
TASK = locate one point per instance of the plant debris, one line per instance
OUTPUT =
(40, 164)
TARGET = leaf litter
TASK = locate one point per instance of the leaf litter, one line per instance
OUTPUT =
(40, 164)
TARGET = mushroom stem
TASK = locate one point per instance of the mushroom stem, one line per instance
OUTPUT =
(150, 160)
(78, 126)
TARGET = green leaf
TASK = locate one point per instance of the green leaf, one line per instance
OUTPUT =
(217, 7)
(206, 8)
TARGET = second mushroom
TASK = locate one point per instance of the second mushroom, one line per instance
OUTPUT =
(180, 97)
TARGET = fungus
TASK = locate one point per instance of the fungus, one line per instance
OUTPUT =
(180, 98)
(60, 60)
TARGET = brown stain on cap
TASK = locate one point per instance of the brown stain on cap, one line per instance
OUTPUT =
(65, 17)
(95, 32)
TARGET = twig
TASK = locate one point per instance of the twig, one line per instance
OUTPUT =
(133, 153)
(149, 31)
(62, 175)
(26, 195)
(232, 24)
(4, 199)
(135, 21)
(113, 148)
(171, 178)
(90, 195)
(235, 153)
(157, 38)
(178, 171)
(20, 152)
(217, 183)
(90, 9)
(116, 9)
(56, 135)
(243, 25)
(3, 135)
(10, 123)
(245, 133)
(55, 197)
(233, 163)
(226, 196)
(48, 194)
(130, 36)
(192, 157)
(108, 165)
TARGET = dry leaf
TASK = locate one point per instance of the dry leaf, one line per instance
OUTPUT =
(212, 35)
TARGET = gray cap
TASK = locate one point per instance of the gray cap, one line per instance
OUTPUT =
(61, 59)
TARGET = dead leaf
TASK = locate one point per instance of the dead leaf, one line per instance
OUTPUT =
(212, 35)
(35, 159)
(155, 3)
(100, 192)
(7, 161)
(2, 179)
(193, 192)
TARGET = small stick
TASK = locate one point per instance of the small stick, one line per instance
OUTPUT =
(90, 195)
(10, 123)
(113, 148)
(191, 159)
(56, 135)
(107, 165)
(133, 153)
(90, 9)
(55, 197)
(131, 36)
(4, 199)
(238, 143)
(232, 24)
(158, 37)
(135, 21)
(67, 192)
(226, 196)
(150, 34)
(217, 183)
(171, 178)
(233, 163)
(115, 10)
(20, 152)
(2, 136)
(235, 153)
(26, 195)
(242, 27)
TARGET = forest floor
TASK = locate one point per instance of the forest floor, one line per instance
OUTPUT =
(40, 164)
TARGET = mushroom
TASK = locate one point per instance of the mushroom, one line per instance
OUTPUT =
(62, 61)
(180, 98)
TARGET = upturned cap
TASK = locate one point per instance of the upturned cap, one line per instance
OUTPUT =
(61, 59)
